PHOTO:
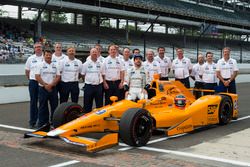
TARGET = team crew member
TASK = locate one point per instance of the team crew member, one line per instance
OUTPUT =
(113, 74)
(208, 73)
(135, 51)
(182, 68)
(30, 68)
(48, 75)
(128, 63)
(92, 71)
(71, 68)
(197, 77)
(136, 80)
(227, 70)
(165, 63)
(152, 66)
(118, 52)
(57, 57)
(100, 58)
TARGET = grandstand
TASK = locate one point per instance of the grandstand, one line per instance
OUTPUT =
(199, 25)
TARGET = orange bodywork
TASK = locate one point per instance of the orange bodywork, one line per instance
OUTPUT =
(173, 120)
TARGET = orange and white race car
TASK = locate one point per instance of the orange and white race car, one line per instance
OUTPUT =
(170, 107)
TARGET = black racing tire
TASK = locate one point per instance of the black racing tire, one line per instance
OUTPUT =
(135, 127)
(66, 112)
(225, 110)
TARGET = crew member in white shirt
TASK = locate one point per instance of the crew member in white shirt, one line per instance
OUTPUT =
(227, 70)
(151, 65)
(100, 58)
(92, 72)
(165, 63)
(113, 74)
(57, 57)
(71, 68)
(128, 63)
(48, 75)
(30, 68)
(197, 77)
(208, 73)
(182, 68)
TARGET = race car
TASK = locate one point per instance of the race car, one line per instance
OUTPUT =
(170, 107)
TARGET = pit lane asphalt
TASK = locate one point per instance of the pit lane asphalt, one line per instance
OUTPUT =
(16, 151)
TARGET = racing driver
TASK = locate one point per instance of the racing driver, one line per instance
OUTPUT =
(136, 81)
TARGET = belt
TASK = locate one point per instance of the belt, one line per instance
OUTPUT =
(113, 81)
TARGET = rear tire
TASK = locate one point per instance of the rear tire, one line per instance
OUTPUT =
(225, 110)
(66, 112)
(136, 127)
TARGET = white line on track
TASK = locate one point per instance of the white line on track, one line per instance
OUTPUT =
(185, 154)
(65, 163)
(16, 128)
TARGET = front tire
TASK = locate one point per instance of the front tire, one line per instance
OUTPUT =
(225, 110)
(66, 112)
(136, 127)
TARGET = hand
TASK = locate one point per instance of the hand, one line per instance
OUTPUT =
(126, 94)
(226, 83)
(121, 85)
(105, 85)
(48, 87)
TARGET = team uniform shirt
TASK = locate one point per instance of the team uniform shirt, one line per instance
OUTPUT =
(112, 68)
(93, 72)
(100, 58)
(181, 67)
(70, 70)
(136, 79)
(227, 68)
(196, 72)
(208, 73)
(58, 59)
(152, 68)
(47, 72)
(31, 65)
(165, 65)
(128, 64)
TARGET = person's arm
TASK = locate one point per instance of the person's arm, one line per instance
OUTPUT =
(235, 73)
(27, 73)
(40, 80)
(122, 79)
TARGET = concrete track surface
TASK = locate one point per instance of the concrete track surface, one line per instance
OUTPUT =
(214, 146)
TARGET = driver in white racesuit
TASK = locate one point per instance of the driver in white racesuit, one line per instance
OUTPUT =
(136, 81)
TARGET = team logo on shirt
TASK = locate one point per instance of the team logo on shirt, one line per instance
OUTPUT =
(90, 66)
(184, 62)
(76, 65)
(34, 61)
(67, 65)
(110, 62)
(45, 67)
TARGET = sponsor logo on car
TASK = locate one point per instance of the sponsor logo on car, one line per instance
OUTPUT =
(100, 112)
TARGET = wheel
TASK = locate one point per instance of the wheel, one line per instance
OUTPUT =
(225, 110)
(136, 127)
(66, 112)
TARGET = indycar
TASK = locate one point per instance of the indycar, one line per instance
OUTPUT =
(134, 121)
